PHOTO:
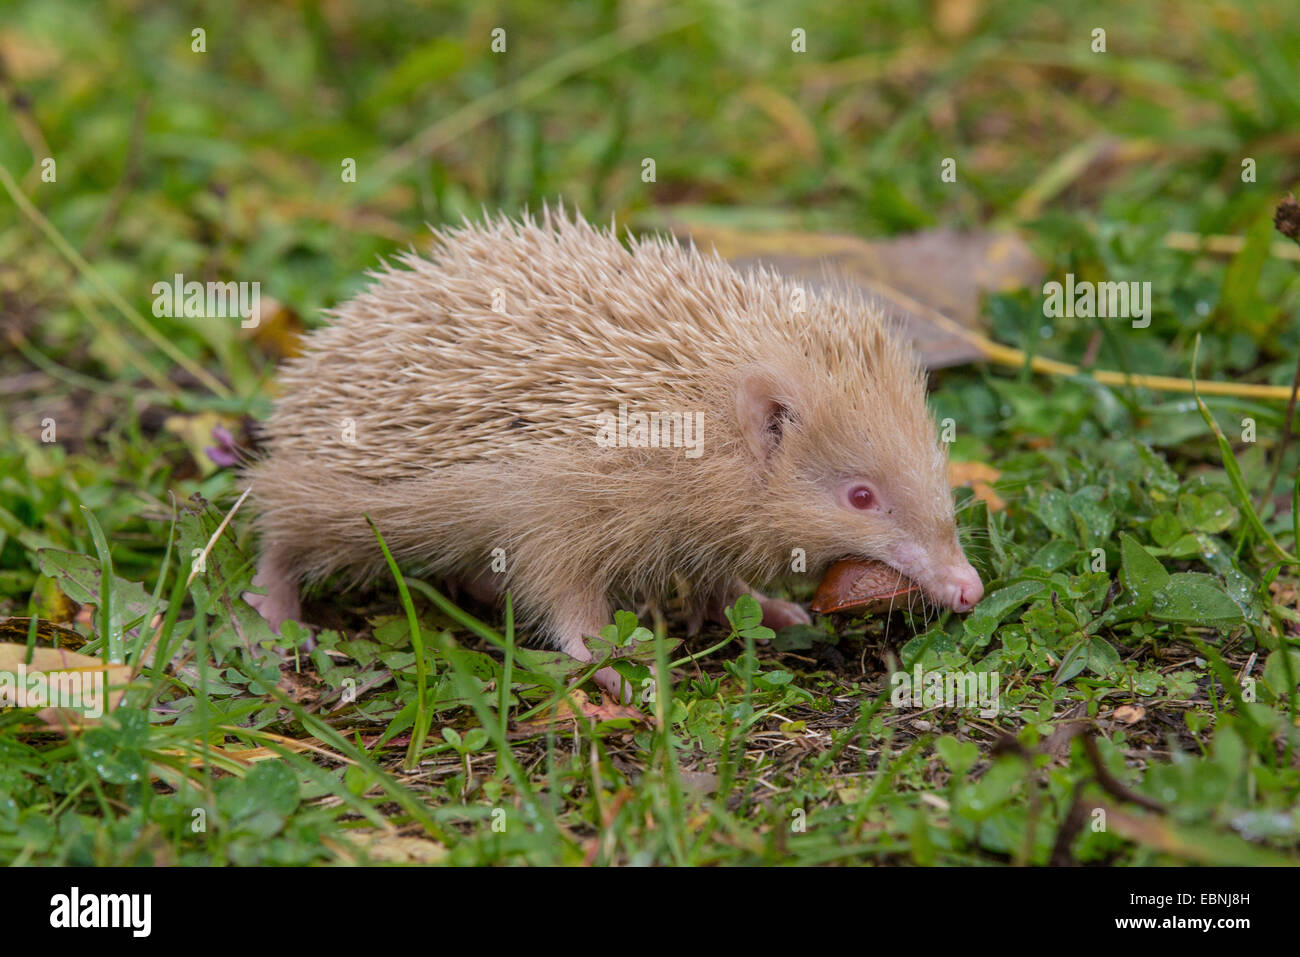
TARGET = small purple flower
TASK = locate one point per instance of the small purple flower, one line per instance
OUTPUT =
(223, 453)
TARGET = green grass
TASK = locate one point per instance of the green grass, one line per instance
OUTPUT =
(1139, 574)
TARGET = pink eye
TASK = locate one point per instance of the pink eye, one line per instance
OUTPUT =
(862, 497)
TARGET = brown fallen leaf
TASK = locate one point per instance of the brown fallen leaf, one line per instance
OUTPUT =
(955, 18)
(52, 604)
(85, 686)
(1129, 713)
(963, 473)
(978, 476)
(944, 269)
(48, 633)
(279, 329)
(930, 281)
(861, 586)
(389, 848)
(577, 702)
(699, 782)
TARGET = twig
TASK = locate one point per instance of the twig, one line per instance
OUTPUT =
(195, 566)
(1002, 355)
(1073, 821)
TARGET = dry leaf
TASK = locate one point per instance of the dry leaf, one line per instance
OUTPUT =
(48, 633)
(86, 686)
(963, 473)
(279, 329)
(943, 269)
(1129, 713)
(978, 476)
(955, 18)
(389, 848)
(564, 712)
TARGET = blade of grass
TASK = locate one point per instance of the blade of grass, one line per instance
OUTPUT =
(145, 328)
(1230, 466)
(503, 710)
(667, 747)
(550, 74)
(558, 689)
(112, 648)
(467, 689)
(143, 635)
(423, 718)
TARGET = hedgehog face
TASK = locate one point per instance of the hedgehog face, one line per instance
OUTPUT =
(842, 480)
(903, 529)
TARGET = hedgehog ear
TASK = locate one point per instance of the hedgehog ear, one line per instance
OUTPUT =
(765, 410)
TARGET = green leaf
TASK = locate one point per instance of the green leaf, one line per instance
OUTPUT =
(1165, 529)
(1074, 661)
(996, 605)
(1211, 513)
(635, 672)
(1053, 510)
(556, 664)
(745, 613)
(272, 788)
(1053, 555)
(1102, 658)
(625, 624)
(1094, 519)
(1140, 573)
(1239, 301)
(960, 756)
(79, 577)
(1275, 677)
(1195, 598)
(773, 679)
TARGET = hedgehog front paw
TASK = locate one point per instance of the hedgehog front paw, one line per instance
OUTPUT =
(779, 613)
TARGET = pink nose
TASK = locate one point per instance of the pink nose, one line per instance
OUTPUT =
(966, 582)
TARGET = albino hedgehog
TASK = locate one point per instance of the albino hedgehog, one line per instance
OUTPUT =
(465, 402)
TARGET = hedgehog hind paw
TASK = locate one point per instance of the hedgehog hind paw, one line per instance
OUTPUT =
(484, 587)
(280, 603)
(614, 685)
